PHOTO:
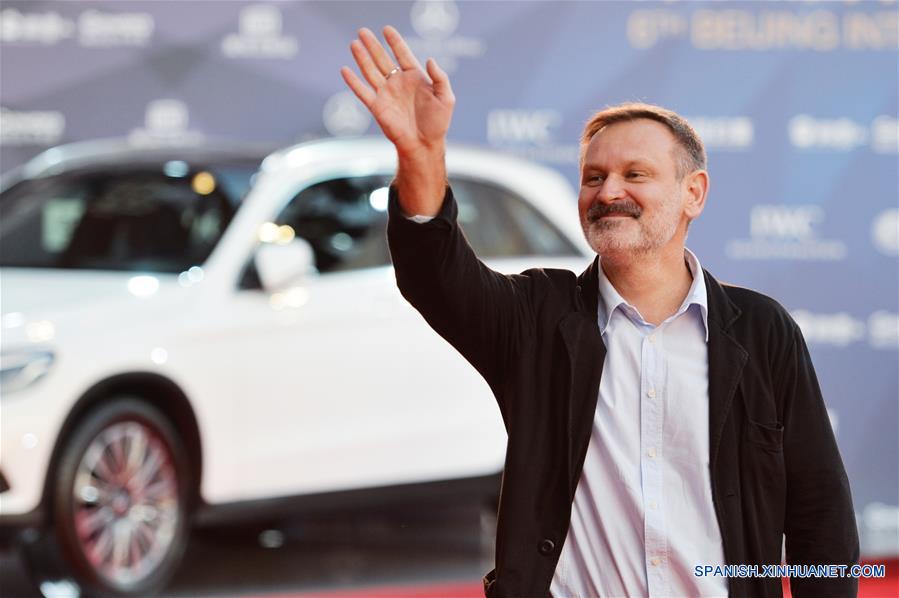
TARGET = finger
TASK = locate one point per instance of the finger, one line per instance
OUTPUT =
(376, 51)
(441, 81)
(369, 70)
(365, 93)
(404, 55)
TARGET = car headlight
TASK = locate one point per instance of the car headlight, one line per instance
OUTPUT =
(21, 369)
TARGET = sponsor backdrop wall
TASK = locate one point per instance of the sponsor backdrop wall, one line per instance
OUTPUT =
(797, 104)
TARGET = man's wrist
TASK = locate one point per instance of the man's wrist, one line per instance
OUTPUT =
(421, 180)
(422, 154)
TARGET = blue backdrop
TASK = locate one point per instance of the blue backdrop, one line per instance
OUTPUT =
(797, 103)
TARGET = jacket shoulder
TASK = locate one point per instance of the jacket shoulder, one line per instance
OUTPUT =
(553, 292)
(557, 277)
(552, 282)
(750, 299)
(759, 312)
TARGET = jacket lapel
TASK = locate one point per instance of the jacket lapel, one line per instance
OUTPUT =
(586, 354)
(726, 361)
(588, 289)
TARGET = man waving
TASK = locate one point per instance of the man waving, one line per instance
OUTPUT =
(659, 422)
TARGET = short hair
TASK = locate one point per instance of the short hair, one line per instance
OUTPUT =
(692, 155)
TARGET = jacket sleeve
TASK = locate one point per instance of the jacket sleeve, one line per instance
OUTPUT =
(485, 315)
(820, 521)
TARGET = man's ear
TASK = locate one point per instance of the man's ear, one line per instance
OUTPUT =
(696, 186)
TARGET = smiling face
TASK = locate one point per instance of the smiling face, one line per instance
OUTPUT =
(633, 198)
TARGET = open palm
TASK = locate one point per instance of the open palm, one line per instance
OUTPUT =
(412, 107)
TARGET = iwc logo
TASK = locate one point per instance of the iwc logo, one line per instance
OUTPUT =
(343, 115)
(260, 35)
(786, 232)
(529, 134)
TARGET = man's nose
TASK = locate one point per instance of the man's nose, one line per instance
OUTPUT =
(611, 189)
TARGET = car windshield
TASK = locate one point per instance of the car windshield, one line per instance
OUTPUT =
(152, 220)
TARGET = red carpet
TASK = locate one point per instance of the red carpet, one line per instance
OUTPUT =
(888, 587)
(446, 590)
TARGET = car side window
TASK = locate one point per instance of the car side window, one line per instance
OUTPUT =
(39, 219)
(345, 220)
(498, 223)
(127, 221)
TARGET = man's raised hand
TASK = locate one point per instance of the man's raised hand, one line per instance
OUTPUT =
(413, 108)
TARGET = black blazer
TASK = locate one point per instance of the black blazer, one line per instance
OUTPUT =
(775, 466)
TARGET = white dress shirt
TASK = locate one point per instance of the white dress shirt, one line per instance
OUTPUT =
(642, 516)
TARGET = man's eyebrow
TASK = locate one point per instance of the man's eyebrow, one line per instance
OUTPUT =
(636, 162)
(639, 163)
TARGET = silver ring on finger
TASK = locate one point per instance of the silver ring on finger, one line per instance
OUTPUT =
(391, 73)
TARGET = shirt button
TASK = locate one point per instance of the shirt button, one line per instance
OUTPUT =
(651, 393)
(546, 546)
(655, 561)
(652, 453)
(652, 338)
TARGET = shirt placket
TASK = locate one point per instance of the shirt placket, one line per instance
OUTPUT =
(652, 394)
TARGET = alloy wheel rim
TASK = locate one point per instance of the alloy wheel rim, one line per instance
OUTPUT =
(125, 498)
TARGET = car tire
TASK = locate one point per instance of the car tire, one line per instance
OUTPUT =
(121, 500)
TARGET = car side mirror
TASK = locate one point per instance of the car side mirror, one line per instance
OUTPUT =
(280, 265)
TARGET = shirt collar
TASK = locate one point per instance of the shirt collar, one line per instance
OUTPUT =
(610, 299)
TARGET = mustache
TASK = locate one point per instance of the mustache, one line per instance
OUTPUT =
(618, 208)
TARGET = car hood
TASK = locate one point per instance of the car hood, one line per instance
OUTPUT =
(28, 295)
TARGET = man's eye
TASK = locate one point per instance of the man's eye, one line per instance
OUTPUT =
(595, 178)
(634, 174)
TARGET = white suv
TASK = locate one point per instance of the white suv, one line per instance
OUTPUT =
(177, 349)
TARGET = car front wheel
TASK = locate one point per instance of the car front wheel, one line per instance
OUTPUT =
(121, 499)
